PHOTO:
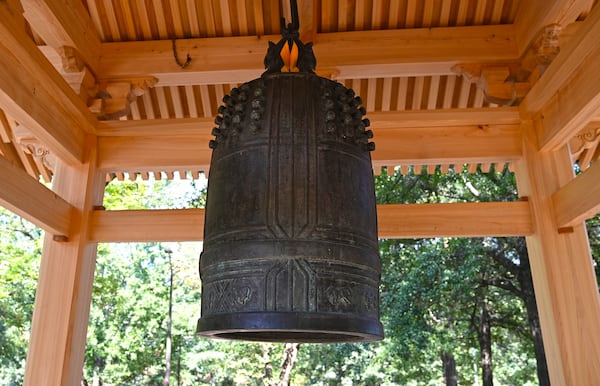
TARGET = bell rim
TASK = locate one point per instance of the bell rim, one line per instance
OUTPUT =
(291, 327)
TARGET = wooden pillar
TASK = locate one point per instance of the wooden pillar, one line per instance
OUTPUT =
(61, 312)
(563, 274)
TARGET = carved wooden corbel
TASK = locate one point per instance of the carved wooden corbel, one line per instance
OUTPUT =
(114, 98)
(43, 158)
(500, 84)
(541, 52)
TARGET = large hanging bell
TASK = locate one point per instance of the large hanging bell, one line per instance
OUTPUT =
(290, 236)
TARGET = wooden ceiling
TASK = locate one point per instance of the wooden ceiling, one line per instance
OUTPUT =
(450, 75)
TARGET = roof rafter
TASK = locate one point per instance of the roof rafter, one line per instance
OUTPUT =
(340, 55)
(37, 96)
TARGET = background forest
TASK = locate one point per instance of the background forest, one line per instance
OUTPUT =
(455, 311)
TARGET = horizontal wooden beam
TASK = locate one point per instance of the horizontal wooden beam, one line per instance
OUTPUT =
(35, 95)
(342, 55)
(579, 199)
(447, 145)
(430, 137)
(151, 153)
(469, 219)
(26, 197)
(395, 221)
(567, 96)
(484, 116)
(115, 226)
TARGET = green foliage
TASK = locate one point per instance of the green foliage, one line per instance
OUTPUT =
(20, 250)
(431, 288)
(429, 294)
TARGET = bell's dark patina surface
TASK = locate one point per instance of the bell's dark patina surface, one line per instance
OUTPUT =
(290, 241)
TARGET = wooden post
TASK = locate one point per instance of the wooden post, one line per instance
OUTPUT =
(61, 312)
(563, 274)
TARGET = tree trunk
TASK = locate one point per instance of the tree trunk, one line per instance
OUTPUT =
(449, 365)
(167, 379)
(289, 359)
(528, 296)
(266, 350)
(485, 343)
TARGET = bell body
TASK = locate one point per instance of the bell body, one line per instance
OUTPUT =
(290, 240)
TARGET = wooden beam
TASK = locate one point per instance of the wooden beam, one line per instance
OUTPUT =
(65, 24)
(62, 300)
(534, 15)
(395, 221)
(565, 284)
(26, 197)
(35, 95)
(148, 153)
(112, 226)
(379, 120)
(342, 55)
(567, 95)
(454, 220)
(440, 145)
(484, 116)
(579, 199)
(442, 136)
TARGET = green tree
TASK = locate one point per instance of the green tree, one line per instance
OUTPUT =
(20, 251)
(446, 297)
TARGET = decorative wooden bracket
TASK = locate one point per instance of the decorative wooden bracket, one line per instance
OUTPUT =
(584, 146)
(506, 84)
(44, 160)
(67, 61)
(501, 84)
(541, 52)
(113, 99)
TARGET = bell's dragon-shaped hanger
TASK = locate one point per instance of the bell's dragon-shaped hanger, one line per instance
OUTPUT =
(290, 54)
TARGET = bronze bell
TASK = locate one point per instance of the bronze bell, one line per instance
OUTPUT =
(290, 237)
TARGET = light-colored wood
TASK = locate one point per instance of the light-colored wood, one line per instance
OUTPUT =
(456, 144)
(565, 283)
(567, 94)
(147, 225)
(379, 120)
(165, 153)
(395, 221)
(445, 117)
(579, 199)
(382, 53)
(169, 145)
(534, 15)
(26, 197)
(34, 94)
(65, 23)
(61, 311)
